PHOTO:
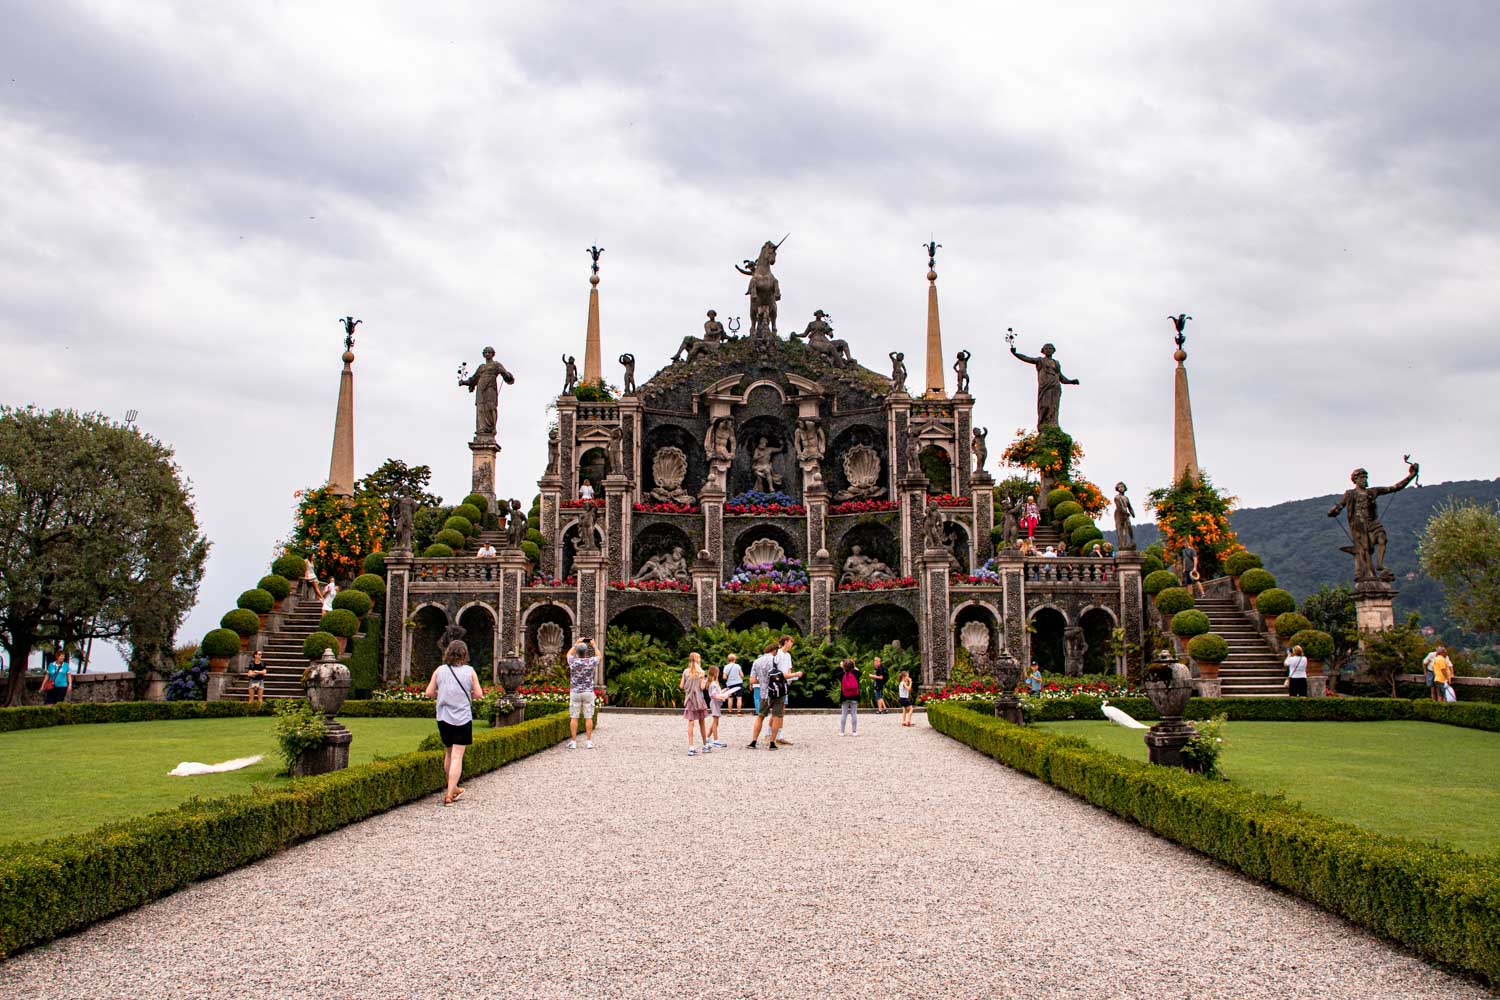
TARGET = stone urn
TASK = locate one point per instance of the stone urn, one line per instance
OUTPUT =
(1007, 671)
(1169, 685)
(510, 673)
(327, 684)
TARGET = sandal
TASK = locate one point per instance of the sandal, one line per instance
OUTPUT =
(447, 800)
(458, 793)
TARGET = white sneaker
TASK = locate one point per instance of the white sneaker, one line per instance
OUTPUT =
(841, 732)
(855, 733)
(573, 745)
(590, 743)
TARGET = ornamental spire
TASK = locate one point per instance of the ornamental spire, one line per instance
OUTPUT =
(593, 364)
(934, 387)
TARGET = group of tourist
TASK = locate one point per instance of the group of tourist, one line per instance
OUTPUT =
(1437, 670)
(325, 593)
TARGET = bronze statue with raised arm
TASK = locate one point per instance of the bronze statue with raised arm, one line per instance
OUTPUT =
(1049, 383)
(1365, 530)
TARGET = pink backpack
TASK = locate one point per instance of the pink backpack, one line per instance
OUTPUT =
(849, 687)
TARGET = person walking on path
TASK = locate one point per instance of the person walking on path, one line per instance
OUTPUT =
(255, 681)
(772, 681)
(903, 691)
(734, 682)
(848, 696)
(758, 670)
(782, 659)
(55, 681)
(455, 686)
(1442, 674)
(1432, 691)
(717, 695)
(878, 676)
(582, 666)
(1296, 673)
(694, 707)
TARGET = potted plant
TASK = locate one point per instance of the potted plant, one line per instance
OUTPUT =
(1317, 646)
(1254, 582)
(1208, 651)
(279, 587)
(260, 602)
(339, 623)
(242, 623)
(356, 602)
(1237, 563)
(219, 645)
(1273, 603)
(1186, 624)
(315, 645)
(1288, 625)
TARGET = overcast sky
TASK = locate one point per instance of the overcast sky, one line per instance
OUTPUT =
(191, 194)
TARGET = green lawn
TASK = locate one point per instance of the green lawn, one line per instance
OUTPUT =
(1412, 779)
(68, 779)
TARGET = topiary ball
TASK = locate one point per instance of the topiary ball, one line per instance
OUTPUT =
(241, 622)
(1275, 602)
(469, 512)
(437, 550)
(535, 538)
(462, 525)
(370, 584)
(1158, 580)
(532, 552)
(339, 622)
(290, 566)
(1254, 581)
(1190, 623)
(220, 642)
(1061, 495)
(478, 501)
(450, 537)
(356, 601)
(1315, 645)
(1067, 509)
(258, 601)
(1150, 564)
(1209, 648)
(1084, 534)
(1073, 522)
(375, 563)
(277, 586)
(1241, 561)
(1290, 624)
(1174, 599)
(314, 645)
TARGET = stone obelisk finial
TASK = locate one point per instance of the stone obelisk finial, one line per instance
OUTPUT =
(933, 388)
(341, 464)
(1184, 447)
(593, 364)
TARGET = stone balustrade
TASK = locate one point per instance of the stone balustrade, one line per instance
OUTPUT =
(602, 412)
(455, 569)
(1067, 569)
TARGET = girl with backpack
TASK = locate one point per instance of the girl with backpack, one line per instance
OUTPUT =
(694, 707)
(848, 695)
(903, 690)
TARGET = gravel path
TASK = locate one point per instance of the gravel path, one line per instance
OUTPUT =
(913, 866)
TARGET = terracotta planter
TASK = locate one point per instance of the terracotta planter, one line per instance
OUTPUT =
(276, 605)
(218, 664)
(1314, 667)
(343, 644)
(1206, 669)
(263, 621)
(1250, 598)
(1271, 623)
(244, 643)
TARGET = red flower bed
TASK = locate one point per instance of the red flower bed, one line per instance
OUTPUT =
(964, 692)
(970, 580)
(863, 506)
(676, 585)
(766, 509)
(665, 508)
(904, 582)
(542, 580)
(765, 587)
(575, 504)
(949, 500)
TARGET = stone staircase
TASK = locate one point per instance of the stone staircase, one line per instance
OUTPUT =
(1254, 667)
(1046, 534)
(282, 654)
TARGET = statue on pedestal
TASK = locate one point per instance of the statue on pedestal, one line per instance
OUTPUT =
(628, 360)
(570, 372)
(1010, 525)
(720, 445)
(713, 338)
(1124, 528)
(587, 516)
(406, 510)
(934, 525)
(667, 566)
(553, 450)
(1365, 530)
(819, 336)
(617, 450)
(898, 371)
(1075, 648)
(913, 455)
(764, 290)
(515, 525)
(1049, 383)
(980, 449)
(961, 369)
(811, 442)
(761, 459)
(486, 391)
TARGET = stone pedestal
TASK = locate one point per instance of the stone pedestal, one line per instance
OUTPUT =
(1165, 740)
(591, 567)
(485, 449)
(156, 687)
(551, 489)
(1133, 611)
(218, 685)
(619, 496)
(397, 662)
(982, 546)
(510, 643)
(333, 755)
(1008, 707)
(1208, 679)
(937, 636)
(1011, 566)
(706, 587)
(821, 576)
(816, 500)
(712, 503)
(1373, 610)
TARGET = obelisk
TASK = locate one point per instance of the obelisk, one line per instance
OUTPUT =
(934, 387)
(341, 463)
(593, 366)
(1184, 447)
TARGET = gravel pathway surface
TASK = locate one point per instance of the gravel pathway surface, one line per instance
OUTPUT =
(900, 863)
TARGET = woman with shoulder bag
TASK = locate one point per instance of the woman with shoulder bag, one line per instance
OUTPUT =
(455, 686)
(1296, 673)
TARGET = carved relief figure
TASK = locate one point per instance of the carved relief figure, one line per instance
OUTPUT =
(761, 460)
(961, 369)
(666, 566)
(669, 468)
(862, 470)
(810, 442)
(913, 455)
(980, 448)
(487, 392)
(720, 444)
(898, 371)
(1365, 530)
(1049, 383)
(628, 360)
(859, 568)
(570, 372)
(483, 480)
(1124, 527)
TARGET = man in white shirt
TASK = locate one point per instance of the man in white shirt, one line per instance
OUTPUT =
(486, 551)
(768, 670)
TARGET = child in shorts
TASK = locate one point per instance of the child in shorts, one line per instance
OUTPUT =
(903, 691)
(717, 695)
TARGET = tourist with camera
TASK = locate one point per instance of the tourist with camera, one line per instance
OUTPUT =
(583, 665)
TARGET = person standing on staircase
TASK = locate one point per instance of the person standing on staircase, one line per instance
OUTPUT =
(255, 681)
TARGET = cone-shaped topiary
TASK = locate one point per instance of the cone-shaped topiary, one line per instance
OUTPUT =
(256, 600)
(1254, 581)
(1158, 580)
(353, 600)
(241, 622)
(375, 563)
(220, 642)
(339, 622)
(1315, 645)
(279, 587)
(370, 584)
(290, 566)
(1290, 624)
(450, 537)
(1240, 561)
(1190, 623)
(1275, 602)
(1209, 648)
(314, 645)
(1173, 600)
(437, 550)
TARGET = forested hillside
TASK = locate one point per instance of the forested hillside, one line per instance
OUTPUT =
(1300, 542)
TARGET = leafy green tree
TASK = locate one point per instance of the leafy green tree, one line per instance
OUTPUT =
(98, 538)
(394, 478)
(1460, 549)
(1331, 610)
(1395, 651)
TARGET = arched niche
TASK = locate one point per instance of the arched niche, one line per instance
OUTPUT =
(1047, 639)
(479, 634)
(778, 436)
(570, 545)
(648, 620)
(593, 466)
(937, 466)
(875, 540)
(659, 539)
(777, 621)
(1098, 629)
(833, 463)
(983, 615)
(541, 660)
(426, 653)
(674, 436)
(956, 536)
(877, 625)
(791, 545)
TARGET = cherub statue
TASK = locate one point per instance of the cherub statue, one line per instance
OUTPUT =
(979, 448)
(570, 373)
(898, 371)
(628, 360)
(961, 368)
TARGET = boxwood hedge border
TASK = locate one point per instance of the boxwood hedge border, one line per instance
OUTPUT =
(1435, 900)
(54, 887)
(82, 713)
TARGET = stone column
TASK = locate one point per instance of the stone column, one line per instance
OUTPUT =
(567, 456)
(592, 568)
(619, 495)
(482, 481)
(937, 637)
(963, 439)
(982, 487)
(510, 644)
(898, 420)
(1132, 609)
(398, 567)
(816, 501)
(712, 503)
(706, 587)
(1373, 611)
(913, 499)
(551, 488)
(630, 423)
(821, 577)
(1012, 568)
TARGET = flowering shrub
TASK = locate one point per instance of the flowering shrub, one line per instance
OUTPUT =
(757, 502)
(338, 532)
(550, 693)
(1050, 451)
(1201, 753)
(576, 504)
(676, 585)
(665, 508)
(985, 575)
(547, 580)
(786, 576)
(1052, 690)
(400, 692)
(190, 683)
(1194, 512)
(863, 506)
(949, 500)
(905, 581)
(982, 691)
(1088, 496)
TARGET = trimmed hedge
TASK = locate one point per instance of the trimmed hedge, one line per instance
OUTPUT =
(1173, 600)
(1256, 581)
(375, 563)
(473, 513)
(1068, 509)
(462, 525)
(1074, 521)
(1240, 561)
(536, 538)
(437, 550)
(338, 622)
(289, 566)
(1060, 496)
(1086, 533)
(241, 622)
(1481, 715)
(1209, 647)
(450, 537)
(476, 500)
(1152, 564)
(1190, 623)
(1436, 900)
(221, 642)
(1158, 580)
(355, 601)
(58, 886)
(532, 551)
(279, 587)
(317, 643)
(1290, 624)
(1315, 645)
(1275, 602)
(256, 601)
(369, 583)
(364, 658)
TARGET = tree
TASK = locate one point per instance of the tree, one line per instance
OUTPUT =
(394, 478)
(1331, 610)
(1194, 512)
(337, 532)
(1395, 651)
(98, 536)
(1460, 549)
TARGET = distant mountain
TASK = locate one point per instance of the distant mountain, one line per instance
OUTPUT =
(1299, 543)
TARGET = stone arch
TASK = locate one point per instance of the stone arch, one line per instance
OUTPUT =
(658, 539)
(765, 383)
(937, 464)
(875, 540)
(1046, 639)
(1098, 625)
(431, 619)
(532, 621)
(649, 620)
(777, 621)
(593, 465)
(674, 436)
(876, 625)
(833, 464)
(478, 621)
(748, 434)
(957, 534)
(987, 615)
(791, 545)
(570, 544)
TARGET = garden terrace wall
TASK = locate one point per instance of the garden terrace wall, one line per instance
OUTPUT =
(58, 886)
(1436, 900)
